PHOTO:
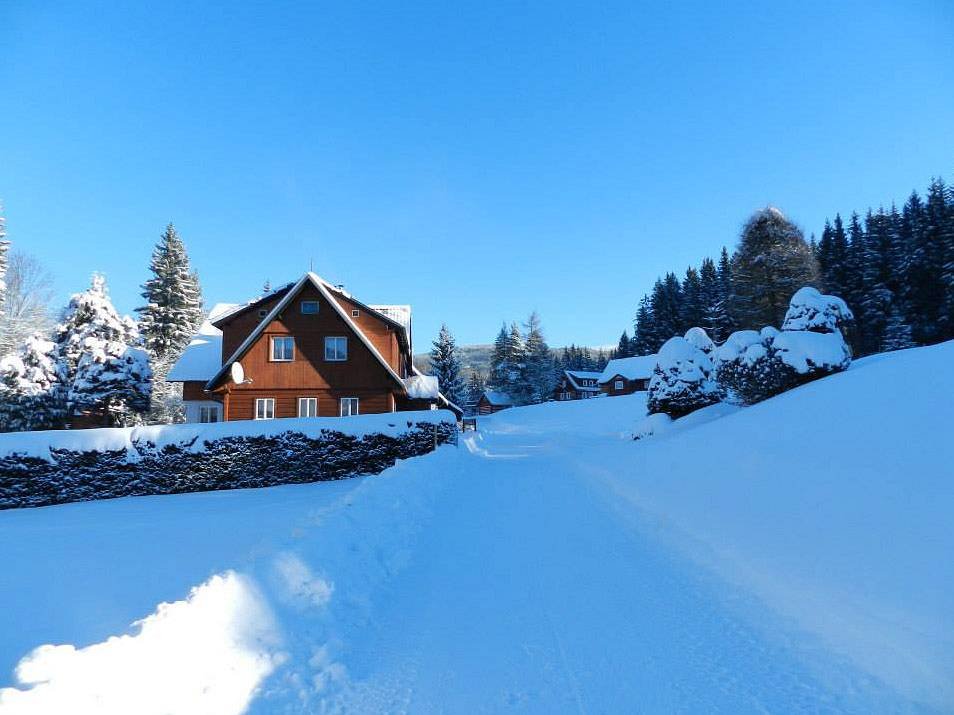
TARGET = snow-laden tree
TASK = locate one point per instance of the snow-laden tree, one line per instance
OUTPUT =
(810, 309)
(682, 380)
(507, 360)
(112, 380)
(897, 332)
(475, 388)
(445, 365)
(771, 262)
(172, 315)
(31, 387)
(698, 338)
(4, 248)
(93, 336)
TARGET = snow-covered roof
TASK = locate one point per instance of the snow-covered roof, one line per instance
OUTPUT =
(422, 387)
(632, 368)
(398, 313)
(495, 397)
(202, 358)
(574, 375)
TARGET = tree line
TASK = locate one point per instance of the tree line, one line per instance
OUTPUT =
(895, 268)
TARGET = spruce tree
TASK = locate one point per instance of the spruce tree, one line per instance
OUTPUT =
(897, 332)
(4, 248)
(445, 365)
(475, 388)
(623, 346)
(171, 316)
(32, 394)
(498, 379)
(643, 341)
(536, 379)
(771, 263)
(692, 308)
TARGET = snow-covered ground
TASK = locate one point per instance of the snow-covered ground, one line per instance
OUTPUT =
(791, 556)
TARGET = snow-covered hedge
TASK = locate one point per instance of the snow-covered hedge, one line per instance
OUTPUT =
(42, 468)
(811, 310)
(752, 366)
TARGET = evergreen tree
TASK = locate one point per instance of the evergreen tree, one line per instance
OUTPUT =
(771, 263)
(536, 379)
(475, 388)
(643, 341)
(499, 377)
(4, 248)
(714, 318)
(665, 304)
(445, 365)
(897, 332)
(31, 387)
(171, 316)
(692, 308)
(601, 361)
(623, 347)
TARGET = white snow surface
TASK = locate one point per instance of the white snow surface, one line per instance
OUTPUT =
(809, 309)
(792, 556)
(422, 387)
(495, 397)
(632, 368)
(39, 444)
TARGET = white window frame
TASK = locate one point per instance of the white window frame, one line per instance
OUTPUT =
(309, 312)
(337, 356)
(353, 406)
(307, 401)
(619, 385)
(267, 405)
(355, 313)
(262, 313)
(210, 411)
(273, 341)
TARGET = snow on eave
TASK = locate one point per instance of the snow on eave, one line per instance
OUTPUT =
(495, 397)
(202, 357)
(572, 376)
(631, 368)
(321, 285)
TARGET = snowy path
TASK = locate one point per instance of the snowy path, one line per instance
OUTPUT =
(532, 594)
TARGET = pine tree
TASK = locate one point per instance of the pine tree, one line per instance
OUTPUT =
(475, 388)
(665, 304)
(498, 379)
(692, 309)
(445, 365)
(642, 343)
(536, 379)
(623, 347)
(771, 263)
(4, 248)
(31, 387)
(875, 273)
(897, 332)
(171, 316)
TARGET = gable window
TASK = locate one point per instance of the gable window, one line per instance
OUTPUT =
(307, 406)
(349, 406)
(336, 349)
(262, 313)
(309, 307)
(356, 313)
(208, 413)
(265, 408)
(283, 349)
(618, 385)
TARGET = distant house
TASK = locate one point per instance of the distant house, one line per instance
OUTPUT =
(577, 385)
(492, 401)
(307, 349)
(625, 376)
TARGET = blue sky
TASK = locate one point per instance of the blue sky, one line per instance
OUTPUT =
(476, 160)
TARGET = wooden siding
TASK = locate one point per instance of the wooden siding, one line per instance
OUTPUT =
(629, 386)
(195, 390)
(485, 408)
(241, 403)
(235, 330)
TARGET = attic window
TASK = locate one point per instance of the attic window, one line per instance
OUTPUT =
(309, 307)
(262, 313)
(356, 313)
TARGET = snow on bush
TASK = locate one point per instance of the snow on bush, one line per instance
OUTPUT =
(811, 310)
(40, 468)
(31, 389)
(698, 337)
(682, 379)
(752, 366)
(651, 425)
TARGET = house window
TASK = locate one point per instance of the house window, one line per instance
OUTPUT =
(208, 413)
(618, 385)
(336, 349)
(309, 307)
(265, 408)
(355, 313)
(349, 406)
(262, 313)
(283, 349)
(307, 406)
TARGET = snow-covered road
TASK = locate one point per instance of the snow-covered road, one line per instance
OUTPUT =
(793, 556)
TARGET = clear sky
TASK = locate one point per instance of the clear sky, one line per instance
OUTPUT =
(476, 160)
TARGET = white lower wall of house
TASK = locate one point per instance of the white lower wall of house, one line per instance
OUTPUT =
(192, 409)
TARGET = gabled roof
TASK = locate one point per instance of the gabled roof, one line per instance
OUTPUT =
(325, 289)
(203, 355)
(497, 398)
(574, 375)
(237, 309)
(631, 368)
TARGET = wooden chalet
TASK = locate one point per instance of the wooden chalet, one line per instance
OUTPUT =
(624, 376)
(308, 349)
(493, 401)
(577, 385)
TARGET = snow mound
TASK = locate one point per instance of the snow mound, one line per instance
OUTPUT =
(810, 309)
(805, 351)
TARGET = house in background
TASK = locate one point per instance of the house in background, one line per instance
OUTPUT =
(493, 401)
(625, 376)
(307, 349)
(577, 385)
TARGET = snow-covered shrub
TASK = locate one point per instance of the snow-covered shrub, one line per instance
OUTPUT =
(682, 379)
(811, 310)
(698, 337)
(102, 469)
(31, 388)
(113, 379)
(651, 425)
(752, 366)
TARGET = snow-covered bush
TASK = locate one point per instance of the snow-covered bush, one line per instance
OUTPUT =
(112, 379)
(752, 366)
(682, 379)
(811, 310)
(31, 387)
(698, 337)
(651, 425)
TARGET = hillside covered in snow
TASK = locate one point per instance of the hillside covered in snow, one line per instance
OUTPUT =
(792, 556)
